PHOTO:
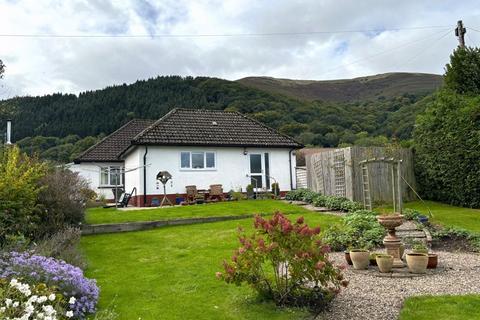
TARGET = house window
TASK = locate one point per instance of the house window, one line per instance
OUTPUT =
(111, 176)
(197, 160)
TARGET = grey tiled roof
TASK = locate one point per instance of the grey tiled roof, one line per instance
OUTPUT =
(202, 127)
(108, 149)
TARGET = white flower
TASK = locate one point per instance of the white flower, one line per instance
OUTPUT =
(51, 297)
(42, 299)
(33, 299)
(15, 304)
(69, 314)
(8, 302)
(40, 315)
(72, 300)
(2, 309)
(13, 282)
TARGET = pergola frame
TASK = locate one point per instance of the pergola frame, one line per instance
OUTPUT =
(396, 171)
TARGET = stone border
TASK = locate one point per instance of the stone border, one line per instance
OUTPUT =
(399, 272)
(89, 229)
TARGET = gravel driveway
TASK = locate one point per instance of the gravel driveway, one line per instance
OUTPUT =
(371, 297)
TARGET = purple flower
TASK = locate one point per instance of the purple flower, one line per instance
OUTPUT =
(69, 279)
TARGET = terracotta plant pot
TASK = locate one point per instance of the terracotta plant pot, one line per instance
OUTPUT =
(360, 258)
(384, 262)
(417, 262)
(432, 261)
(347, 258)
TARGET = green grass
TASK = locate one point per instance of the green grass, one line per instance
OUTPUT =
(169, 273)
(441, 308)
(231, 208)
(447, 215)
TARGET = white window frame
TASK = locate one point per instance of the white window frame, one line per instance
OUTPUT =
(190, 168)
(110, 169)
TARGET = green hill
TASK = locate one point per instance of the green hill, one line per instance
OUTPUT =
(59, 126)
(365, 88)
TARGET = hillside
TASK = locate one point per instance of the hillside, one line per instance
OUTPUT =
(365, 88)
(59, 126)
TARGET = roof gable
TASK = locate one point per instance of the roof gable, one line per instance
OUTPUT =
(214, 128)
(109, 148)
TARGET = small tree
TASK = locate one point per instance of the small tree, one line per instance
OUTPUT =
(19, 188)
(286, 262)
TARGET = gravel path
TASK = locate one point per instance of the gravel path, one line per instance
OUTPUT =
(371, 297)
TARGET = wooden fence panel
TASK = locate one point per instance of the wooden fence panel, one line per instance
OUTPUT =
(321, 173)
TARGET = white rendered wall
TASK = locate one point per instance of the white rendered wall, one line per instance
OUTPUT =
(90, 171)
(232, 167)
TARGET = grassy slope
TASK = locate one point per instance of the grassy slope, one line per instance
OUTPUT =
(100, 215)
(364, 88)
(441, 308)
(447, 215)
(170, 273)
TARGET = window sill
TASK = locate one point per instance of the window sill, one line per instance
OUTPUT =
(109, 187)
(198, 170)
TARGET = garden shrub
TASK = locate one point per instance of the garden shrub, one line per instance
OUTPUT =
(411, 214)
(320, 201)
(63, 200)
(296, 195)
(447, 151)
(23, 301)
(19, 188)
(63, 245)
(359, 229)
(69, 280)
(285, 262)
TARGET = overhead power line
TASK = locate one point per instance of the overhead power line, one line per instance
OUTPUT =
(156, 35)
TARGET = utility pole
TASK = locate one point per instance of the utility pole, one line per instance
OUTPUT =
(460, 33)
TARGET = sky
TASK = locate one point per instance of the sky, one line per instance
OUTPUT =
(47, 46)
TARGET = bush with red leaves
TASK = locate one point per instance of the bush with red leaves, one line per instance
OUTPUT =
(287, 262)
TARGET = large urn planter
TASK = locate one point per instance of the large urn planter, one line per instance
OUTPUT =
(391, 242)
(432, 261)
(384, 262)
(360, 258)
(417, 262)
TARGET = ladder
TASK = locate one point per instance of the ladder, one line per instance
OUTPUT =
(367, 200)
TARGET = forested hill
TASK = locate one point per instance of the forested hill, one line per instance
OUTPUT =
(363, 88)
(59, 126)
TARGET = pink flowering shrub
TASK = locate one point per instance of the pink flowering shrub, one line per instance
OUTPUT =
(286, 262)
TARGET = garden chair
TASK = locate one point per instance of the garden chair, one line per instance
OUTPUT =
(192, 193)
(216, 192)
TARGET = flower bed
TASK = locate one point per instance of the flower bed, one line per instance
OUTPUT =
(22, 301)
(318, 200)
(69, 280)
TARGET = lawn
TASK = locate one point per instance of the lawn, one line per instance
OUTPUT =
(169, 273)
(441, 308)
(447, 215)
(231, 208)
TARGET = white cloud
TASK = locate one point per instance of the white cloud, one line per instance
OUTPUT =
(46, 65)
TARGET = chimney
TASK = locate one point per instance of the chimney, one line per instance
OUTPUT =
(9, 132)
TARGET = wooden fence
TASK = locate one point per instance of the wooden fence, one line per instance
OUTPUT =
(337, 172)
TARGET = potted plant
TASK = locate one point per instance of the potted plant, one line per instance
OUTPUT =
(347, 257)
(432, 261)
(360, 258)
(250, 192)
(384, 262)
(372, 258)
(419, 247)
(417, 262)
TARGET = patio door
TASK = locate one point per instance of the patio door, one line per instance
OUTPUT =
(259, 170)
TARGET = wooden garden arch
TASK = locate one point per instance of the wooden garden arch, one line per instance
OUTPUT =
(396, 171)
